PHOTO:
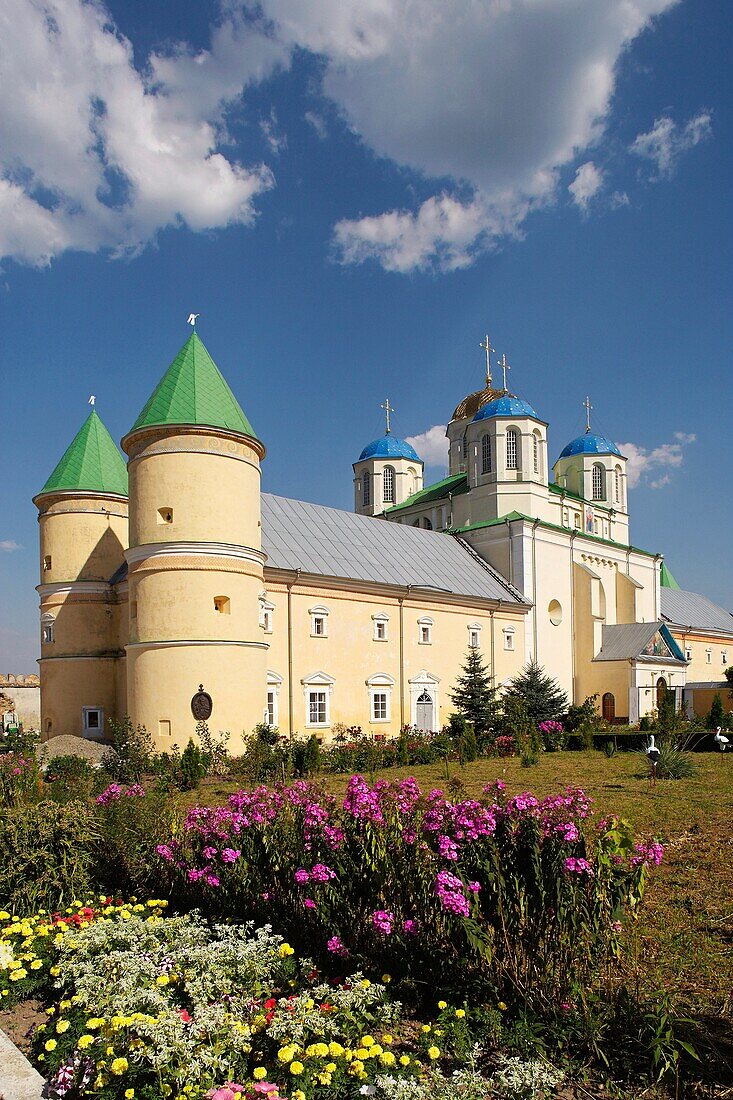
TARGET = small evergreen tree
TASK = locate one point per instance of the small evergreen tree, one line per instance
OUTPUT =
(312, 755)
(193, 768)
(716, 717)
(474, 696)
(542, 696)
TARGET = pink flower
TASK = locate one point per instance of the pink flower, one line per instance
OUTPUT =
(211, 880)
(209, 852)
(302, 876)
(230, 855)
(383, 920)
(309, 903)
(578, 866)
(336, 947)
(164, 851)
(410, 927)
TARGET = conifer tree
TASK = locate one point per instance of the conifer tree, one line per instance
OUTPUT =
(542, 696)
(716, 715)
(475, 696)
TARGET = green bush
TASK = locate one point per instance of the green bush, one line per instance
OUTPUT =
(716, 717)
(131, 752)
(128, 825)
(673, 763)
(193, 768)
(45, 855)
(20, 779)
(68, 777)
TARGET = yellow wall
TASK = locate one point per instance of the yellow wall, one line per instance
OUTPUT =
(84, 542)
(68, 684)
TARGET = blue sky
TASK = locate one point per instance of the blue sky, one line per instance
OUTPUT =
(351, 195)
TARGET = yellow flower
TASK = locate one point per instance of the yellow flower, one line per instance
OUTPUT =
(85, 1041)
(129, 1093)
(330, 1067)
(442, 1004)
(362, 1054)
(162, 979)
(367, 1040)
(36, 964)
(55, 971)
(501, 1006)
(356, 1066)
(321, 1049)
(405, 1060)
(286, 1054)
(296, 1068)
(365, 983)
(433, 1053)
(94, 1022)
(259, 1072)
(460, 1013)
(62, 1026)
(387, 1058)
(50, 1044)
(335, 1049)
(4, 915)
(386, 978)
(285, 950)
(438, 1031)
(16, 975)
(324, 1078)
(426, 1028)
(299, 1095)
(387, 1040)
(118, 1067)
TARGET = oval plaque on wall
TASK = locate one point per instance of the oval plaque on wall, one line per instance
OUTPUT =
(201, 705)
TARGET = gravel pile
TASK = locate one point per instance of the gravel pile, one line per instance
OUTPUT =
(66, 744)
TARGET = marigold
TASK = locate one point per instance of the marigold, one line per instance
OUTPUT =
(119, 1066)
(259, 1072)
(50, 1044)
(433, 1053)
(296, 1068)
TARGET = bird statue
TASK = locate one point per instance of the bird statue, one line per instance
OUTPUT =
(652, 755)
(721, 740)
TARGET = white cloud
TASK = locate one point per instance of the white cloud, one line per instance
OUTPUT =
(432, 445)
(619, 199)
(641, 462)
(586, 185)
(665, 143)
(496, 97)
(272, 133)
(96, 153)
(8, 545)
(318, 124)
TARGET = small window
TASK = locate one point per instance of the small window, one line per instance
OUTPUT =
(724, 656)
(164, 727)
(380, 628)
(317, 708)
(266, 616)
(222, 605)
(617, 484)
(536, 453)
(425, 628)
(688, 654)
(599, 482)
(92, 719)
(46, 563)
(512, 449)
(509, 638)
(486, 454)
(165, 515)
(319, 622)
(708, 656)
(555, 612)
(133, 609)
(379, 706)
(474, 639)
(48, 630)
(608, 707)
(366, 489)
(576, 520)
(388, 484)
(271, 711)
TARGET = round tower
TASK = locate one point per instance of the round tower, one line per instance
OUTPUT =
(83, 517)
(195, 563)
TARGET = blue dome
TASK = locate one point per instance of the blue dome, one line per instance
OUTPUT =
(506, 406)
(590, 444)
(389, 446)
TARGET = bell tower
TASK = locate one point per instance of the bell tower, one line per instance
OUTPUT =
(195, 560)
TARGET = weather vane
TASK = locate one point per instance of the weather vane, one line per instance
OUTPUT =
(486, 345)
(91, 400)
(505, 367)
(192, 319)
(587, 406)
(388, 409)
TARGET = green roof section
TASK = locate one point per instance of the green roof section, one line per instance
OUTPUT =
(453, 486)
(91, 463)
(666, 579)
(510, 517)
(194, 391)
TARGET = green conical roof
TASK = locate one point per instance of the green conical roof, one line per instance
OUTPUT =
(666, 579)
(90, 463)
(193, 391)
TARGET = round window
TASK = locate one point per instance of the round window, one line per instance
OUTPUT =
(555, 612)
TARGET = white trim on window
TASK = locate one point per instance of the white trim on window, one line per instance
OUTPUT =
(381, 627)
(92, 719)
(272, 707)
(474, 635)
(317, 692)
(508, 632)
(512, 449)
(319, 621)
(380, 697)
(424, 683)
(48, 629)
(425, 630)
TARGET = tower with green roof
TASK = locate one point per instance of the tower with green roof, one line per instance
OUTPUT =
(195, 562)
(83, 520)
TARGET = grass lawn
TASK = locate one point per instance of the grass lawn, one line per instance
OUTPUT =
(682, 940)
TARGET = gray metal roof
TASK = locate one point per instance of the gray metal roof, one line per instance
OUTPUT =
(686, 609)
(627, 641)
(330, 542)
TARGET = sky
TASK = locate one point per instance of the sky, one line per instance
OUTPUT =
(351, 194)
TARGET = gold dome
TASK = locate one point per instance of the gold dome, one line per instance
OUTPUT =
(475, 401)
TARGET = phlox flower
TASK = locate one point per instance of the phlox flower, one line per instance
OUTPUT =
(383, 921)
(336, 947)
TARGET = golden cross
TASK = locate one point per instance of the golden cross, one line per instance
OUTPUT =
(486, 345)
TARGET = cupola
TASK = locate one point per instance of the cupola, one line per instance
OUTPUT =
(387, 472)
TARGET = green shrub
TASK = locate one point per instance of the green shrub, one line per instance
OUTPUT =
(21, 741)
(131, 752)
(68, 777)
(45, 855)
(128, 824)
(673, 763)
(312, 756)
(716, 717)
(193, 768)
(529, 759)
(20, 779)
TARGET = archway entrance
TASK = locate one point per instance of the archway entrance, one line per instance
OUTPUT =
(661, 691)
(424, 712)
(609, 707)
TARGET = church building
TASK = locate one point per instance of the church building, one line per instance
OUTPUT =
(172, 587)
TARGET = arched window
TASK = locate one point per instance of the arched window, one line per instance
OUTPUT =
(617, 488)
(486, 454)
(599, 482)
(388, 484)
(512, 449)
(366, 489)
(661, 691)
(411, 481)
(609, 707)
(536, 453)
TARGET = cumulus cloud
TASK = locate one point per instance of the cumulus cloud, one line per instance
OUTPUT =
(496, 97)
(8, 546)
(665, 143)
(643, 462)
(432, 445)
(96, 153)
(586, 185)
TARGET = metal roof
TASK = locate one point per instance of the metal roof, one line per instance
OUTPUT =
(389, 446)
(590, 444)
(506, 405)
(627, 642)
(691, 609)
(90, 463)
(330, 542)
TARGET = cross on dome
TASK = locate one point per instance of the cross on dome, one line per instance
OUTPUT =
(505, 367)
(587, 406)
(488, 348)
(387, 410)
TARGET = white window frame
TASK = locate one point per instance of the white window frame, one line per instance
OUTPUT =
(48, 629)
(512, 452)
(88, 730)
(388, 484)
(486, 453)
(380, 622)
(425, 682)
(319, 613)
(316, 684)
(598, 481)
(508, 632)
(724, 656)
(425, 630)
(274, 683)
(474, 632)
(617, 483)
(266, 615)
(708, 656)
(536, 452)
(381, 684)
(688, 653)
(366, 489)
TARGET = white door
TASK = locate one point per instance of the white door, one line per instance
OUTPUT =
(424, 716)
